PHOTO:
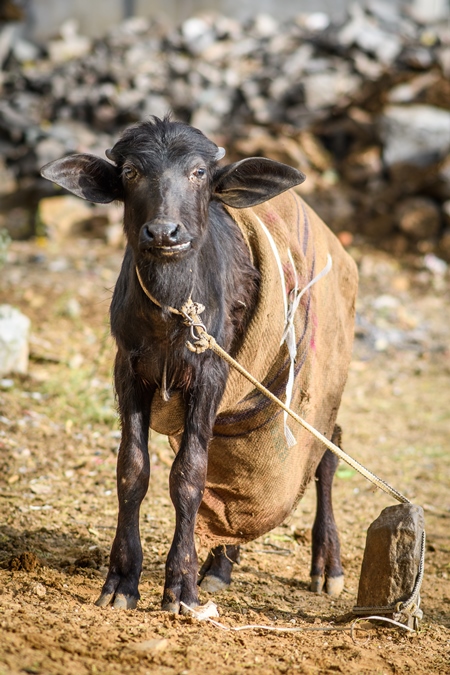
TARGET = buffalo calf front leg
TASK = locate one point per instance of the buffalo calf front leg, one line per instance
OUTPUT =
(326, 568)
(187, 485)
(133, 472)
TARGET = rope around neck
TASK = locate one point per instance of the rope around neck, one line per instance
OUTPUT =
(172, 310)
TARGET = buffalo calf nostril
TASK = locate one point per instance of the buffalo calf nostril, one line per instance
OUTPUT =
(173, 233)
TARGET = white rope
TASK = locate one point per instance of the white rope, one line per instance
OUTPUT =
(209, 610)
(273, 246)
(290, 339)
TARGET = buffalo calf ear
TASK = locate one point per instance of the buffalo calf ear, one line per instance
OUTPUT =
(87, 176)
(253, 181)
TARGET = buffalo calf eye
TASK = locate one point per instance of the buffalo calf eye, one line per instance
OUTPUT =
(199, 173)
(129, 172)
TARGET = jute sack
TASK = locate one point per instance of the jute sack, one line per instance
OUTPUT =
(255, 477)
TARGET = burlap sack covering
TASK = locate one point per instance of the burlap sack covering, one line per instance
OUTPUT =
(254, 478)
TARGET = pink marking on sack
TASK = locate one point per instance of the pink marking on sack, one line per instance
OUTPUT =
(271, 218)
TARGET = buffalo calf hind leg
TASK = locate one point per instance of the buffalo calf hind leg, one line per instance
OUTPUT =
(326, 568)
(215, 574)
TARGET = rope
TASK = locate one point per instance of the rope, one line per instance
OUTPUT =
(404, 612)
(208, 611)
(204, 341)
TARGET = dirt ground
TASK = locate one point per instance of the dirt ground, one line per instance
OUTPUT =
(59, 439)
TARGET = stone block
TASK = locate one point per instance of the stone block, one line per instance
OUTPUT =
(392, 557)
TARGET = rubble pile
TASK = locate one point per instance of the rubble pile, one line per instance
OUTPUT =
(362, 107)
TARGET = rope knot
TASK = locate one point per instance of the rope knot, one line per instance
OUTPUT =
(190, 310)
(201, 340)
(201, 344)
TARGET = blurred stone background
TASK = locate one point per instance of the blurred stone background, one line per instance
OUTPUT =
(357, 95)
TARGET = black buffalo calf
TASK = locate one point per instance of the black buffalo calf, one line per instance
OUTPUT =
(182, 243)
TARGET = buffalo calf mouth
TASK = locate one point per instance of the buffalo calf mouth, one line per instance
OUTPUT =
(172, 250)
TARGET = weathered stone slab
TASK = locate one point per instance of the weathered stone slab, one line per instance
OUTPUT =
(391, 557)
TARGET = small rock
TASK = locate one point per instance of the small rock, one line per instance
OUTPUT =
(326, 88)
(72, 308)
(407, 92)
(39, 590)
(156, 645)
(71, 46)
(40, 489)
(417, 134)
(364, 32)
(418, 58)
(435, 265)
(317, 21)
(14, 335)
(76, 361)
(418, 217)
(428, 12)
(58, 265)
(198, 33)
(265, 26)
(383, 302)
(48, 150)
(378, 226)
(24, 50)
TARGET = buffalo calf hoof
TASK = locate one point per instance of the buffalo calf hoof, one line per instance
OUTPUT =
(104, 600)
(175, 601)
(185, 610)
(213, 584)
(117, 601)
(335, 586)
(177, 607)
(215, 574)
(172, 607)
(317, 583)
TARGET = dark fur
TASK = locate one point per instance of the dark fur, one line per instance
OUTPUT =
(167, 175)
